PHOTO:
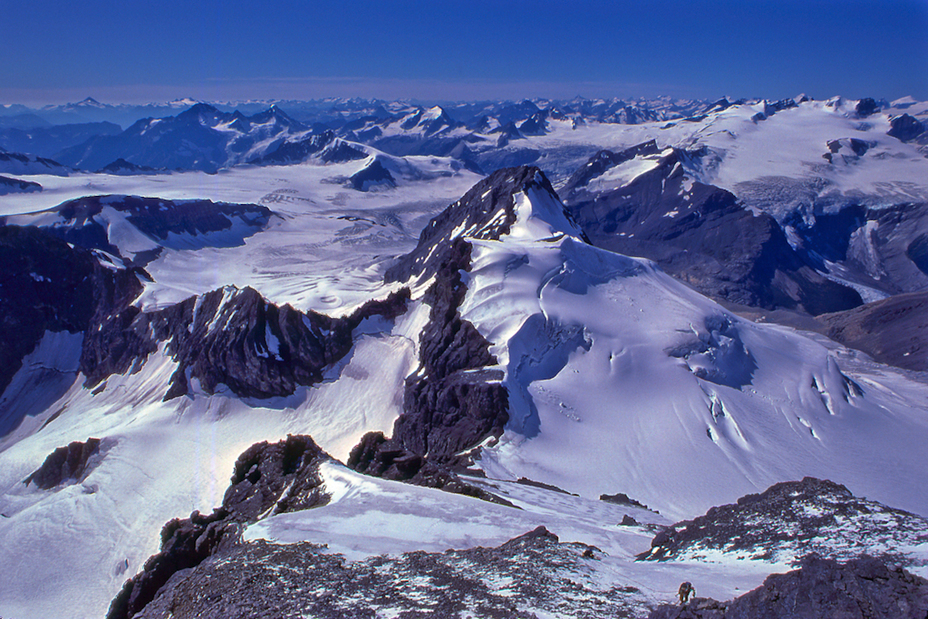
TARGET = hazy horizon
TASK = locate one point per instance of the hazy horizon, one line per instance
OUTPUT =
(233, 50)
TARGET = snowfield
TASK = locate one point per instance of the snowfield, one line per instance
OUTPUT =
(621, 379)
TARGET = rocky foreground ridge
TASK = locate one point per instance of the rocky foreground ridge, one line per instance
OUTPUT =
(206, 570)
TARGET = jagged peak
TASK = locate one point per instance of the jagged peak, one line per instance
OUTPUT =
(89, 102)
(489, 211)
(273, 112)
(197, 111)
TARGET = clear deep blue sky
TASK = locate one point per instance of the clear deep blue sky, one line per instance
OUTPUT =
(142, 50)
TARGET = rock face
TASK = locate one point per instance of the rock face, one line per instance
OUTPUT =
(696, 232)
(232, 337)
(64, 464)
(370, 176)
(864, 588)
(531, 575)
(15, 185)
(905, 128)
(121, 167)
(893, 331)
(268, 478)
(186, 224)
(18, 163)
(485, 212)
(47, 285)
(866, 107)
(450, 403)
(454, 400)
(296, 150)
(603, 161)
(791, 520)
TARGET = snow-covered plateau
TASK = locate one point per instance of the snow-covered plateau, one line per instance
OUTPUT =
(437, 295)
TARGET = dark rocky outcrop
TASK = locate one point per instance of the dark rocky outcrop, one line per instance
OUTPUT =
(866, 107)
(528, 576)
(621, 499)
(372, 175)
(791, 520)
(48, 285)
(525, 481)
(699, 233)
(857, 148)
(15, 185)
(378, 456)
(536, 124)
(268, 478)
(455, 400)
(70, 463)
(231, 337)
(486, 211)
(125, 168)
(892, 330)
(507, 133)
(450, 404)
(183, 224)
(863, 588)
(905, 128)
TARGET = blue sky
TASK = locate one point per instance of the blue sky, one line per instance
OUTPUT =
(142, 50)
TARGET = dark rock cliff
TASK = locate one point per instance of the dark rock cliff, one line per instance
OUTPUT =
(864, 588)
(893, 330)
(455, 399)
(15, 185)
(232, 337)
(698, 233)
(451, 403)
(268, 478)
(183, 224)
(905, 128)
(48, 285)
(72, 462)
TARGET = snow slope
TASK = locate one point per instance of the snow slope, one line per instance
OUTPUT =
(620, 378)
(321, 251)
(615, 368)
(164, 460)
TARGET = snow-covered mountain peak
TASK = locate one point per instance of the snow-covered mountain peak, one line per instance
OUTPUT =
(88, 102)
(273, 114)
(516, 202)
(540, 215)
(434, 113)
(183, 103)
(202, 113)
